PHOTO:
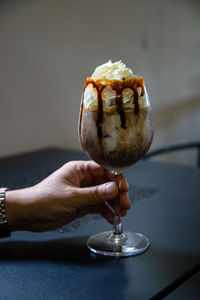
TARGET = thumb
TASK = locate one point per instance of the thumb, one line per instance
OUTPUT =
(97, 194)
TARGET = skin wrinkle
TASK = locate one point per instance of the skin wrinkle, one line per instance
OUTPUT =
(96, 193)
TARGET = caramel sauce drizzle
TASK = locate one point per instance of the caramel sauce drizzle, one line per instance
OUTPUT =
(118, 86)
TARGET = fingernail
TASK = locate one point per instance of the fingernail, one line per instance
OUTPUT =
(109, 187)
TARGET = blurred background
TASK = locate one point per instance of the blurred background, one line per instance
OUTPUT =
(49, 47)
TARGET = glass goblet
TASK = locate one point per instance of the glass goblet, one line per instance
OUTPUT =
(116, 131)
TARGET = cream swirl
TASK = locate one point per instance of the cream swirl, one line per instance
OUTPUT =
(110, 71)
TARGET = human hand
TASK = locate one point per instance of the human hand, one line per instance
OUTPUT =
(74, 190)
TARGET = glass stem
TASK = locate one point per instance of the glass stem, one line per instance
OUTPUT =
(117, 225)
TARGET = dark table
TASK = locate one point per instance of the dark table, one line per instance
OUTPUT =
(58, 265)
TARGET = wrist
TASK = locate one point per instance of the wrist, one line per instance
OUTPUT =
(15, 206)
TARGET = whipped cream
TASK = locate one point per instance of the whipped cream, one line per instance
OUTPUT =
(112, 71)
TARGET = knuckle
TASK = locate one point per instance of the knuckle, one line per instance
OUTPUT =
(97, 195)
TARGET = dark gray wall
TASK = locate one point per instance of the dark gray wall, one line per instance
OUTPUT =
(48, 47)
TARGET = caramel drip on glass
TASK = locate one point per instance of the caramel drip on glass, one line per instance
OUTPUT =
(118, 86)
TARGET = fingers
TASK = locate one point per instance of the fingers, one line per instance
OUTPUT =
(98, 185)
(96, 194)
(106, 191)
(107, 211)
(106, 214)
(95, 169)
(119, 179)
(90, 173)
(124, 201)
(102, 175)
(123, 184)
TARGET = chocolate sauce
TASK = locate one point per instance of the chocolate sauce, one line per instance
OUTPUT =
(120, 109)
(118, 86)
(100, 113)
(136, 107)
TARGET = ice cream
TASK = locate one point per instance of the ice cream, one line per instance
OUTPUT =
(115, 126)
(109, 72)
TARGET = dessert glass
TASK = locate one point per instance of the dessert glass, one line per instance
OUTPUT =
(116, 133)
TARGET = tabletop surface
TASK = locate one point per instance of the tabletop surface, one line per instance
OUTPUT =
(58, 265)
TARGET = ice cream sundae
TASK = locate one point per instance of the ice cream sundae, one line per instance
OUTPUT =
(115, 124)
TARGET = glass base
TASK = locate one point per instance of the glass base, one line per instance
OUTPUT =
(125, 244)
